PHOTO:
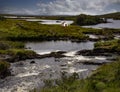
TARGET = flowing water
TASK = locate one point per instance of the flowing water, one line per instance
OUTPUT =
(27, 75)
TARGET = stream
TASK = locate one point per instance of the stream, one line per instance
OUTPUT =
(29, 74)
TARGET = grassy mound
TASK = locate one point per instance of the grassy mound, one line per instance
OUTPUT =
(112, 45)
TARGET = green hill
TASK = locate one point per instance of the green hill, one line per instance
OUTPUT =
(112, 15)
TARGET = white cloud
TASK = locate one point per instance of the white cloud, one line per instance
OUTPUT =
(70, 7)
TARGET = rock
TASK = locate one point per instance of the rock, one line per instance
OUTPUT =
(32, 62)
(94, 52)
(52, 54)
(93, 63)
(20, 63)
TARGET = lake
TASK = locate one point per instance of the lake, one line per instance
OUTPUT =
(51, 22)
(53, 46)
(111, 24)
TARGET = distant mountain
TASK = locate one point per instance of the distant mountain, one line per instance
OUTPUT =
(89, 19)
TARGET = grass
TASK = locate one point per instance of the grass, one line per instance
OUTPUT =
(18, 54)
(113, 45)
(115, 15)
(20, 30)
(4, 66)
(10, 44)
(15, 50)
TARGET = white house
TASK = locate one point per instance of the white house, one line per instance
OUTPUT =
(64, 24)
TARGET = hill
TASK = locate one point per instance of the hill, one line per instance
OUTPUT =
(115, 15)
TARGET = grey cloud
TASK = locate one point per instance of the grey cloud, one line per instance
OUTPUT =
(71, 7)
(77, 6)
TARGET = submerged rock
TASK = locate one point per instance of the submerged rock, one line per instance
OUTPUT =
(58, 54)
(32, 62)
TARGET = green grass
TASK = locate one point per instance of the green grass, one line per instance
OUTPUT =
(113, 45)
(18, 54)
(15, 50)
(115, 15)
(19, 30)
(4, 66)
(22, 30)
(10, 44)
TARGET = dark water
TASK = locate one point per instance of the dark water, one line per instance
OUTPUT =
(112, 24)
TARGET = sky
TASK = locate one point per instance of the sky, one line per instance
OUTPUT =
(59, 7)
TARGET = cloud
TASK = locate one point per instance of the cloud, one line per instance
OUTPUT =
(70, 7)
(74, 7)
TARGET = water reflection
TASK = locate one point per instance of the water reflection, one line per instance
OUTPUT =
(53, 46)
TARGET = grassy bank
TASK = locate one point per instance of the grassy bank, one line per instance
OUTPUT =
(10, 44)
(112, 45)
(16, 55)
(15, 50)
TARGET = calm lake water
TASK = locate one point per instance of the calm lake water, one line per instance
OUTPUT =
(112, 24)
(51, 22)
(53, 46)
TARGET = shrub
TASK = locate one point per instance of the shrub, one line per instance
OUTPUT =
(4, 66)
(88, 20)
